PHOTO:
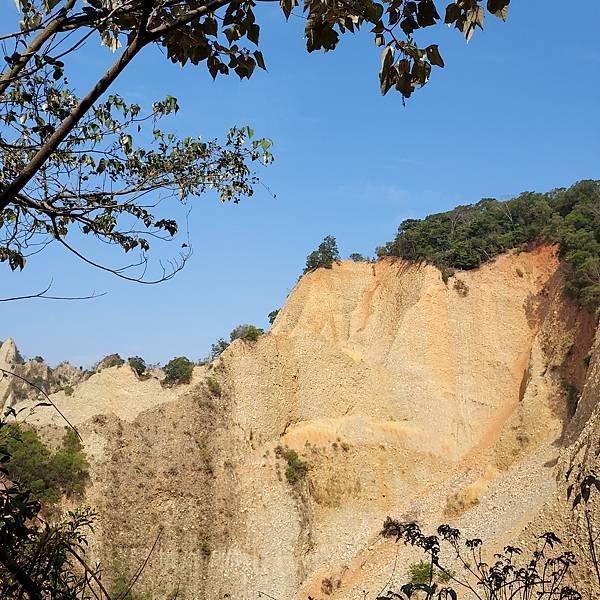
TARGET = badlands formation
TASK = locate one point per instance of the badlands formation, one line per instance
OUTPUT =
(459, 402)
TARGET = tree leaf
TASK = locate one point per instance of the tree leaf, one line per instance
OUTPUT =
(287, 6)
(452, 13)
(385, 75)
(427, 14)
(387, 58)
(253, 33)
(260, 61)
(434, 56)
(499, 8)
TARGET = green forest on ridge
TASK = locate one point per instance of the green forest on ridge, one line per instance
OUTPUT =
(467, 236)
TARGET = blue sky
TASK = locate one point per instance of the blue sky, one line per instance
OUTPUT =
(514, 110)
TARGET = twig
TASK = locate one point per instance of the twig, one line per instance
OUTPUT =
(141, 569)
(391, 576)
(44, 296)
(90, 571)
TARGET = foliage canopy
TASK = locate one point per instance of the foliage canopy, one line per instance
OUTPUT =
(178, 370)
(218, 348)
(46, 474)
(73, 164)
(424, 573)
(468, 236)
(296, 469)
(249, 333)
(138, 364)
(324, 256)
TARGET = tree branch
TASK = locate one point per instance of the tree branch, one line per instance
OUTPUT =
(12, 189)
(143, 37)
(118, 272)
(201, 11)
(44, 296)
(21, 62)
(90, 572)
(140, 570)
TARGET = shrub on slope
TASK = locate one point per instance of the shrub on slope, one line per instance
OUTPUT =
(45, 473)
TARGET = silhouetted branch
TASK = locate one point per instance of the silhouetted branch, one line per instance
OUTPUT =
(20, 575)
(90, 572)
(43, 295)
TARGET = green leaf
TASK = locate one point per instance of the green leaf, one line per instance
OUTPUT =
(427, 14)
(479, 17)
(253, 33)
(287, 6)
(409, 24)
(434, 56)
(475, 18)
(260, 61)
(387, 58)
(499, 8)
(452, 13)
(375, 11)
(386, 75)
(210, 26)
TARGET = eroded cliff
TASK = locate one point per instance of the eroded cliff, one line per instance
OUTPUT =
(405, 395)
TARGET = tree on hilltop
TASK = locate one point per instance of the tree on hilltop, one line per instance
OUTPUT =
(249, 333)
(178, 370)
(324, 256)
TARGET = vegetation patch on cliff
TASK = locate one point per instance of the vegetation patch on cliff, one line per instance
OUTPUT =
(296, 469)
(45, 473)
(467, 236)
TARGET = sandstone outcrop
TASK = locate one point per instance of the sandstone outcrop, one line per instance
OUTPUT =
(404, 395)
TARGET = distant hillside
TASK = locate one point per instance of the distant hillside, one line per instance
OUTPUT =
(470, 235)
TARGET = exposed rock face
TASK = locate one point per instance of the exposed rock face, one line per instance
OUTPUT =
(406, 396)
(8, 355)
(113, 390)
(581, 455)
(22, 389)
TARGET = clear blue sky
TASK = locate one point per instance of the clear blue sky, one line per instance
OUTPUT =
(516, 109)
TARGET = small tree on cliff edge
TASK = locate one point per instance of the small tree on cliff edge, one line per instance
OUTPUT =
(178, 370)
(324, 256)
(249, 333)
